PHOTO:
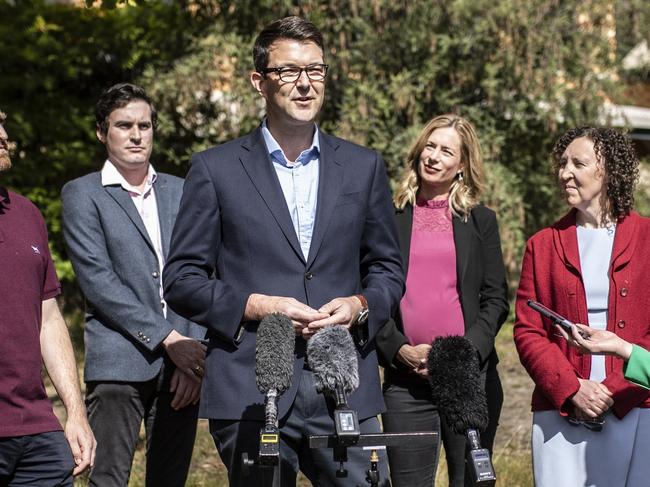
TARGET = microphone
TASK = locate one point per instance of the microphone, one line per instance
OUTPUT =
(455, 379)
(332, 357)
(274, 361)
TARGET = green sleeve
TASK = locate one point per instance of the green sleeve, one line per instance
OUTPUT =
(637, 369)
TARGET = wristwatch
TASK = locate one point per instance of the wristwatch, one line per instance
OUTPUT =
(362, 317)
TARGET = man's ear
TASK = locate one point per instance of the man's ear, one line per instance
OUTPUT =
(100, 136)
(256, 80)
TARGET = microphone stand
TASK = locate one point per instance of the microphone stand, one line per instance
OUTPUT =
(269, 450)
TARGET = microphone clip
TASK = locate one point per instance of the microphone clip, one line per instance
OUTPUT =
(269, 451)
(479, 467)
(347, 426)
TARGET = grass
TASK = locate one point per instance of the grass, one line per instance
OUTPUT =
(511, 453)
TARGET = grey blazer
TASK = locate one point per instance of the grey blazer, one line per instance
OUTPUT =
(118, 272)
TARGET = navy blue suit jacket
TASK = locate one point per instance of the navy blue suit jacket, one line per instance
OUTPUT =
(234, 236)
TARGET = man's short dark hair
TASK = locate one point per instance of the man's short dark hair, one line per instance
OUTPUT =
(295, 28)
(119, 96)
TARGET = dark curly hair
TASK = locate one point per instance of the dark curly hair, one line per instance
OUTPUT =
(617, 154)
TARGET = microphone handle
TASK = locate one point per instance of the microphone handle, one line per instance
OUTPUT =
(271, 408)
(340, 397)
(473, 439)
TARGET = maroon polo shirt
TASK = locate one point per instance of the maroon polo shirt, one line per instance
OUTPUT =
(27, 278)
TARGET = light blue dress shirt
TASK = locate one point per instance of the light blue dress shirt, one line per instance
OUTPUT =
(299, 182)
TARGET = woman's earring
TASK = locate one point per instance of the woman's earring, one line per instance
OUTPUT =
(460, 176)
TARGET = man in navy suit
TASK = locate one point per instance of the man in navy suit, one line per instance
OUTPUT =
(285, 219)
(143, 361)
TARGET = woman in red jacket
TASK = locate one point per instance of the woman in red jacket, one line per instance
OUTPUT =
(590, 426)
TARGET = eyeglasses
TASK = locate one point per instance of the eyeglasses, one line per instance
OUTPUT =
(289, 74)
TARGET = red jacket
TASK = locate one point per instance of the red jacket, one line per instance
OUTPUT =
(551, 275)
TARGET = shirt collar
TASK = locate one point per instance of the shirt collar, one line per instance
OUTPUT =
(420, 201)
(111, 176)
(277, 154)
(4, 195)
(4, 200)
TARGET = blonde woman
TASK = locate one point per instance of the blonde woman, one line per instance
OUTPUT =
(455, 285)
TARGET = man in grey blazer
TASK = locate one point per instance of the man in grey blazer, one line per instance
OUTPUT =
(143, 361)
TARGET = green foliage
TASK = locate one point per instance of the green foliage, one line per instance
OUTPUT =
(56, 59)
(642, 195)
(522, 71)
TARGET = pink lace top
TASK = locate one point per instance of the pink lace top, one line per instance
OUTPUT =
(431, 305)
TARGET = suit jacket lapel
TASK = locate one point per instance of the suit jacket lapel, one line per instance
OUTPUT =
(258, 166)
(565, 240)
(330, 181)
(163, 202)
(123, 199)
(624, 240)
(462, 242)
(404, 223)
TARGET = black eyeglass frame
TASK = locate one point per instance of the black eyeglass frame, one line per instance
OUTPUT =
(281, 69)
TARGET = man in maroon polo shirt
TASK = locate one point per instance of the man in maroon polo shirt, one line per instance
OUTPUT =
(34, 451)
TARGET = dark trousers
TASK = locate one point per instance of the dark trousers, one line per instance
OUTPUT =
(116, 411)
(309, 415)
(41, 460)
(410, 408)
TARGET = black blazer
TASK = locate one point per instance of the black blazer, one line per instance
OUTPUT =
(481, 284)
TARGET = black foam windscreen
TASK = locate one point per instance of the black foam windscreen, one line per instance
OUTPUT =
(332, 358)
(274, 353)
(455, 379)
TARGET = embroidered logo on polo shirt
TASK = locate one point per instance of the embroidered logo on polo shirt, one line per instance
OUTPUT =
(35, 249)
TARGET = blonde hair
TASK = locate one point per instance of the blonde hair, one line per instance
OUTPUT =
(464, 192)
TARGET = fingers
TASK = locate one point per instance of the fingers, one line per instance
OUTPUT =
(304, 315)
(298, 311)
(592, 398)
(195, 396)
(563, 332)
(189, 357)
(338, 318)
(184, 392)
(605, 389)
(330, 307)
(601, 399)
(423, 351)
(341, 311)
(76, 451)
(174, 382)
(422, 372)
(82, 444)
(87, 458)
(298, 327)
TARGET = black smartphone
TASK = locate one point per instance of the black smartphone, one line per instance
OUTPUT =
(551, 315)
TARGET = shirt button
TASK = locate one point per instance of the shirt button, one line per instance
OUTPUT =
(624, 292)
(155, 274)
(309, 275)
(621, 324)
